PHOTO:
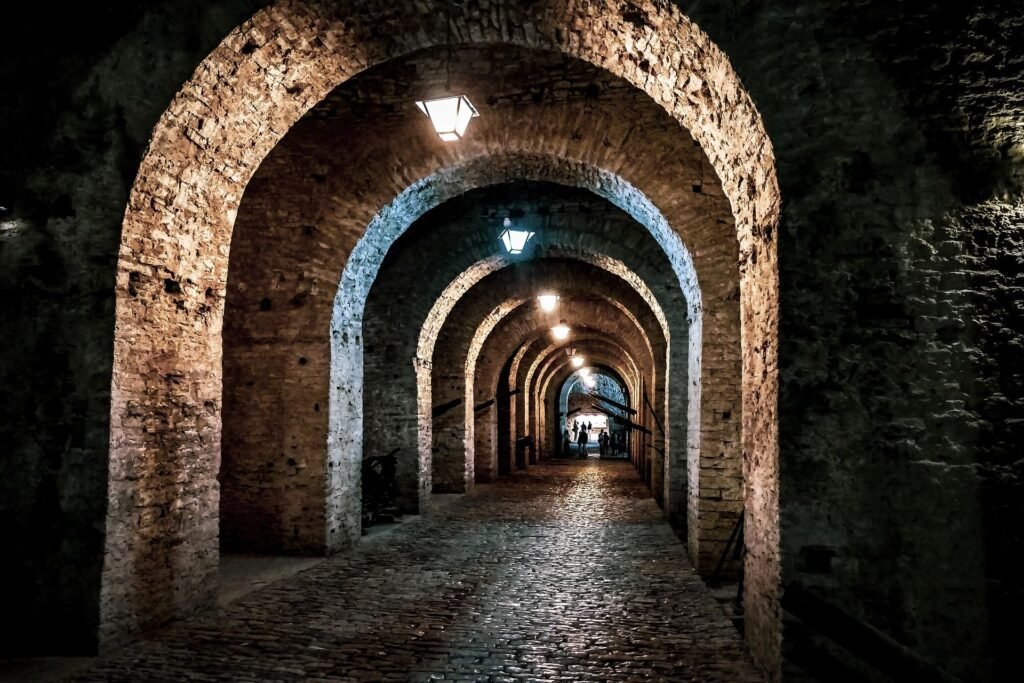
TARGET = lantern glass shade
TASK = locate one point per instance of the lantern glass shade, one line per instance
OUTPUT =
(450, 116)
(560, 331)
(578, 361)
(515, 240)
(548, 302)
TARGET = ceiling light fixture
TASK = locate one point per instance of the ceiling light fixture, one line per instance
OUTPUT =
(514, 240)
(450, 116)
(548, 302)
(561, 330)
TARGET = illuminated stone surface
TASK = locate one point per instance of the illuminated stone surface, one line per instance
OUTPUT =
(568, 572)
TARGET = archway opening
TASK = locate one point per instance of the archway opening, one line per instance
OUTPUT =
(597, 400)
(195, 224)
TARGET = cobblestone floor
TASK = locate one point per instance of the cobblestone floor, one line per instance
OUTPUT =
(566, 573)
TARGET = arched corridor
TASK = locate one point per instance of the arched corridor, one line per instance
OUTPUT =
(554, 339)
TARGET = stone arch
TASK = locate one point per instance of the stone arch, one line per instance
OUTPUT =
(457, 350)
(608, 385)
(555, 366)
(496, 341)
(344, 438)
(603, 355)
(541, 350)
(181, 209)
(619, 388)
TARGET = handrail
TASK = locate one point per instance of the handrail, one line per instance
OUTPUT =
(382, 457)
(861, 639)
(443, 408)
(657, 420)
(618, 405)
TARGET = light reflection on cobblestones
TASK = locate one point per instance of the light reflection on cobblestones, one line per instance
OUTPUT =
(567, 573)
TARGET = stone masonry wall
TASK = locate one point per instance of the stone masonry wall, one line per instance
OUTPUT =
(897, 129)
(171, 279)
(327, 214)
(79, 108)
(426, 262)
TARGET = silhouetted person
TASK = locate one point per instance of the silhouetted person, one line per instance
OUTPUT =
(566, 444)
(602, 443)
(581, 441)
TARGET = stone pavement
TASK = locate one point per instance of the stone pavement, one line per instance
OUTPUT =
(565, 573)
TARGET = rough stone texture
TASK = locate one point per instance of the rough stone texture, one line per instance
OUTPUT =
(901, 401)
(165, 400)
(439, 260)
(79, 107)
(321, 207)
(565, 573)
(896, 122)
(208, 145)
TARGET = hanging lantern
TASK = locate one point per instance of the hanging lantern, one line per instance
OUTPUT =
(578, 361)
(548, 302)
(450, 116)
(561, 330)
(514, 240)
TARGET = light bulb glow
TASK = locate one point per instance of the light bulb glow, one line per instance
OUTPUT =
(560, 331)
(548, 302)
(450, 116)
(578, 361)
(590, 382)
(514, 240)
(584, 373)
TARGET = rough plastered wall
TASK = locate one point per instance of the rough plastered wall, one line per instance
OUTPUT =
(899, 133)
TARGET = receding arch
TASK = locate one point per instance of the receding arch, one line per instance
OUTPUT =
(454, 293)
(182, 207)
(344, 439)
(482, 379)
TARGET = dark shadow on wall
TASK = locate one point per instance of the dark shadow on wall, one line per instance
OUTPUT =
(78, 107)
(896, 127)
